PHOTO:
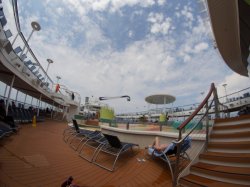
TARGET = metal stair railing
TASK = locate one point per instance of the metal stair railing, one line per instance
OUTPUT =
(197, 127)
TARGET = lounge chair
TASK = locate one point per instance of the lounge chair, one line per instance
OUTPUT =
(18, 50)
(3, 19)
(171, 151)
(23, 56)
(76, 132)
(83, 136)
(8, 33)
(8, 120)
(113, 147)
(27, 63)
(5, 130)
(93, 145)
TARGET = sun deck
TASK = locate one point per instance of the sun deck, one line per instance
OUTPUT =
(39, 157)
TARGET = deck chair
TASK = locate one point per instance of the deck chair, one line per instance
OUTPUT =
(69, 131)
(23, 56)
(170, 152)
(3, 19)
(77, 133)
(93, 145)
(113, 147)
(27, 63)
(32, 68)
(17, 50)
(83, 136)
(8, 33)
(5, 130)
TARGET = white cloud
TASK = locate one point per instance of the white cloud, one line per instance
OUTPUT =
(111, 5)
(155, 17)
(186, 13)
(117, 4)
(59, 11)
(130, 34)
(161, 2)
(100, 5)
(159, 24)
(200, 47)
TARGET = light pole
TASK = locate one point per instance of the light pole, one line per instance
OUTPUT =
(58, 78)
(225, 88)
(49, 62)
(35, 27)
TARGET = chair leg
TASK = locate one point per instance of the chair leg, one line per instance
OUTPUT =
(66, 138)
(81, 152)
(76, 147)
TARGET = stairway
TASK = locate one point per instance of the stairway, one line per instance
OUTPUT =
(227, 159)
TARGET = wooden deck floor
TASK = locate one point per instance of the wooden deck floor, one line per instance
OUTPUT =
(38, 157)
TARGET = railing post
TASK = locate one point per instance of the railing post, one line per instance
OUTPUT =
(160, 126)
(180, 134)
(176, 170)
(51, 113)
(207, 125)
(38, 106)
(216, 103)
(127, 126)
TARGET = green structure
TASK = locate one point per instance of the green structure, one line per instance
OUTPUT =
(107, 115)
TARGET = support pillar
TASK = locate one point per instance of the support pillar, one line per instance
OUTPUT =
(8, 99)
(38, 107)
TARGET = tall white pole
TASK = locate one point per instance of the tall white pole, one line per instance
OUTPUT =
(225, 87)
(38, 107)
(49, 62)
(35, 27)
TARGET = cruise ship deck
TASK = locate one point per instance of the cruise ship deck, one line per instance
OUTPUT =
(38, 156)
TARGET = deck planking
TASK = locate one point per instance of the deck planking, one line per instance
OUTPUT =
(38, 156)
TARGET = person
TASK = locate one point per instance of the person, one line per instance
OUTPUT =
(157, 146)
(73, 96)
(6, 119)
(13, 105)
(57, 87)
(167, 117)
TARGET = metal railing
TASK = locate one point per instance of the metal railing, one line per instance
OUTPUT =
(211, 100)
(230, 102)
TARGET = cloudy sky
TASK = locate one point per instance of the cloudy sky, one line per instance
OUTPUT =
(127, 47)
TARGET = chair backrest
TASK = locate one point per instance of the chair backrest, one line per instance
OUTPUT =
(2, 109)
(172, 148)
(76, 125)
(3, 19)
(186, 144)
(17, 49)
(113, 141)
(36, 72)
(8, 47)
(23, 56)
(32, 68)
(27, 63)
(8, 33)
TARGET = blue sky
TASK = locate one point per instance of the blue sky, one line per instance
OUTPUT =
(127, 47)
